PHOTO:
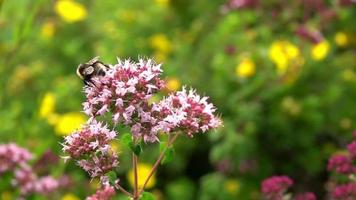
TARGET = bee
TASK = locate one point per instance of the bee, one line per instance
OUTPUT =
(93, 68)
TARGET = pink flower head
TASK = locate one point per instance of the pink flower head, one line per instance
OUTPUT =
(341, 164)
(99, 165)
(91, 143)
(24, 178)
(236, 4)
(91, 138)
(305, 196)
(46, 185)
(274, 187)
(345, 192)
(185, 111)
(123, 90)
(352, 150)
(103, 194)
(12, 155)
(29, 183)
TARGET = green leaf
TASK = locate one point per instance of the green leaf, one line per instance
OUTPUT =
(127, 140)
(147, 196)
(112, 177)
(168, 155)
(137, 149)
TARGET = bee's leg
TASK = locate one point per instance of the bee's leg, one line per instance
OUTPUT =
(90, 83)
(86, 82)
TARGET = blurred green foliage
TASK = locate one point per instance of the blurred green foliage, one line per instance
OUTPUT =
(284, 110)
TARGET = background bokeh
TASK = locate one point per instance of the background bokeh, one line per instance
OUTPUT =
(282, 74)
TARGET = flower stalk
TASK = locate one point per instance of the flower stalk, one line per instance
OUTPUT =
(158, 161)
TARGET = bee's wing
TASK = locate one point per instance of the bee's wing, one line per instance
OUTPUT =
(93, 60)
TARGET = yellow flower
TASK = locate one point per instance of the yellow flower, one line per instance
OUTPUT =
(320, 50)
(348, 75)
(94, 183)
(70, 196)
(341, 39)
(69, 122)
(232, 186)
(142, 170)
(163, 3)
(128, 16)
(161, 43)
(70, 11)
(115, 145)
(290, 105)
(246, 68)
(159, 56)
(6, 195)
(283, 53)
(48, 29)
(345, 123)
(47, 105)
(173, 84)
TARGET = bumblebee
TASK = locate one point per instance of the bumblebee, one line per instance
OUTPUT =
(93, 68)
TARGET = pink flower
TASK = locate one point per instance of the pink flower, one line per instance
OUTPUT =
(12, 155)
(341, 164)
(99, 165)
(274, 187)
(46, 185)
(29, 183)
(345, 192)
(91, 138)
(103, 194)
(123, 90)
(352, 149)
(305, 196)
(187, 112)
(91, 144)
(24, 179)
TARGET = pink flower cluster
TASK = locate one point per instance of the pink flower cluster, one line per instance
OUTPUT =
(305, 196)
(341, 164)
(274, 187)
(123, 90)
(344, 165)
(11, 156)
(90, 145)
(123, 94)
(103, 194)
(29, 183)
(345, 192)
(352, 149)
(185, 111)
(15, 159)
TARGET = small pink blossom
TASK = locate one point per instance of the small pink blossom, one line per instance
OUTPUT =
(91, 138)
(341, 164)
(90, 145)
(29, 183)
(12, 155)
(97, 166)
(125, 87)
(103, 194)
(305, 196)
(352, 149)
(274, 187)
(186, 111)
(345, 192)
